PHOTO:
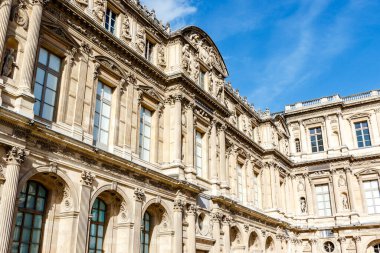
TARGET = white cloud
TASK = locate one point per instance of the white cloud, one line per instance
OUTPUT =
(171, 10)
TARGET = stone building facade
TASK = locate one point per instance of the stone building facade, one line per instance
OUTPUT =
(120, 135)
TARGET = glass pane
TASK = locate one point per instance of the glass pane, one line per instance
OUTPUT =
(40, 76)
(104, 137)
(106, 110)
(30, 202)
(42, 57)
(102, 216)
(16, 234)
(25, 235)
(92, 242)
(47, 112)
(99, 243)
(99, 88)
(51, 81)
(36, 236)
(15, 247)
(19, 219)
(100, 231)
(147, 131)
(94, 215)
(37, 221)
(107, 92)
(34, 248)
(41, 192)
(105, 122)
(54, 62)
(40, 204)
(37, 107)
(102, 205)
(93, 230)
(50, 97)
(24, 248)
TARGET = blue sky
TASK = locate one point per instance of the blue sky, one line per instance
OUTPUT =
(279, 52)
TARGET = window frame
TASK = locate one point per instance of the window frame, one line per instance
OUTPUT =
(112, 9)
(239, 182)
(33, 212)
(44, 85)
(149, 44)
(297, 144)
(201, 144)
(361, 130)
(97, 224)
(145, 232)
(329, 194)
(316, 134)
(142, 132)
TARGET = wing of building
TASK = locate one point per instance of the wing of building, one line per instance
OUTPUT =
(120, 135)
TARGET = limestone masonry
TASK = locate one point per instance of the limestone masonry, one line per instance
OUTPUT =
(119, 135)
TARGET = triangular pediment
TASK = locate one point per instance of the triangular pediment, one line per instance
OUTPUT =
(151, 92)
(60, 32)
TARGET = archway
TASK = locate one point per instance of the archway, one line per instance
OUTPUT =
(254, 245)
(269, 245)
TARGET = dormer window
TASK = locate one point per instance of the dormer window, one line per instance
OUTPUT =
(149, 46)
(110, 23)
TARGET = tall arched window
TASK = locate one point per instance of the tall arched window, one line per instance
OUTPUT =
(27, 236)
(145, 233)
(97, 227)
(298, 145)
(376, 248)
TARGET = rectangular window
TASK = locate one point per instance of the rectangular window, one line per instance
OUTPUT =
(201, 80)
(102, 114)
(198, 153)
(372, 196)
(323, 200)
(239, 182)
(145, 131)
(110, 23)
(149, 50)
(362, 134)
(255, 191)
(47, 78)
(316, 139)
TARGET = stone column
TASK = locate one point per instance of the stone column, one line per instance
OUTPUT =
(84, 211)
(304, 148)
(314, 245)
(213, 169)
(343, 245)
(351, 193)
(336, 201)
(357, 240)
(309, 195)
(31, 46)
(5, 13)
(215, 219)
(190, 171)
(14, 159)
(226, 231)
(177, 158)
(191, 216)
(341, 130)
(273, 186)
(222, 156)
(328, 134)
(178, 230)
(139, 196)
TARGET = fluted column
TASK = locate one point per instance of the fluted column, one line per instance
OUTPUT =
(177, 128)
(215, 217)
(5, 12)
(14, 159)
(178, 230)
(84, 211)
(31, 46)
(191, 216)
(343, 245)
(213, 169)
(139, 196)
(222, 157)
(351, 193)
(190, 171)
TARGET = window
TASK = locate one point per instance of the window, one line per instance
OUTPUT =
(376, 248)
(27, 236)
(149, 50)
(362, 134)
(102, 114)
(110, 23)
(239, 182)
(97, 226)
(372, 196)
(201, 80)
(323, 200)
(198, 153)
(145, 131)
(145, 233)
(329, 247)
(298, 145)
(316, 139)
(46, 84)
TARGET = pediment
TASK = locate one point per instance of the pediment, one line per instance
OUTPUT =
(60, 32)
(111, 65)
(368, 172)
(281, 125)
(151, 93)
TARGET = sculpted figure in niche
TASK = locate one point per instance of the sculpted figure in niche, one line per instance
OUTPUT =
(211, 85)
(219, 90)
(140, 39)
(161, 57)
(303, 205)
(196, 70)
(99, 9)
(126, 29)
(211, 56)
(344, 201)
(9, 63)
(186, 62)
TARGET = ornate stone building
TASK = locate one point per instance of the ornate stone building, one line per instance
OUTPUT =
(120, 135)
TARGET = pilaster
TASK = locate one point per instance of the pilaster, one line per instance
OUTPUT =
(179, 204)
(139, 196)
(191, 218)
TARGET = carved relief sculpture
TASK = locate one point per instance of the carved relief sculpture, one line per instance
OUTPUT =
(140, 39)
(303, 205)
(20, 15)
(161, 56)
(83, 2)
(9, 63)
(345, 202)
(196, 70)
(186, 61)
(126, 29)
(99, 9)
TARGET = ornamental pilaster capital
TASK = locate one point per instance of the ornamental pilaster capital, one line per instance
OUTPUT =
(39, 2)
(314, 241)
(216, 216)
(342, 239)
(227, 220)
(357, 238)
(179, 204)
(177, 98)
(222, 128)
(139, 194)
(192, 210)
(87, 178)
(190, 106)
(16, 155)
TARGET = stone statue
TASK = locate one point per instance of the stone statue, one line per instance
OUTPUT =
(9, 63)
(303, 205)
(126, 29)
(196, 70)
(20, 15)
(99, 9)
(186, 62)
(140, 39)
(161, 56)
(344, 201)
(219, 90)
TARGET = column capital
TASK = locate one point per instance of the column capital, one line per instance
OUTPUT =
(139, 194)
(39, 2)
(179, 204)
(216, 216)
(16, 155)
(192, 210)
(227, 220)
(342, 239)
(87, 178)
(357, 238)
